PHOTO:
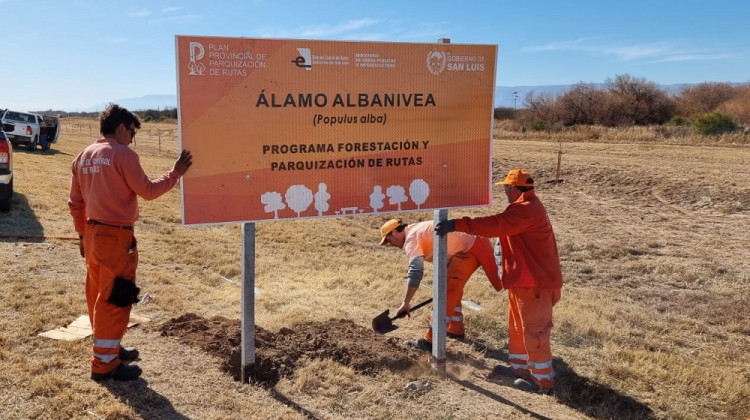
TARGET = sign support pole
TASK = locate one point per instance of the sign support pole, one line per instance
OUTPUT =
(440, 285)
(248, 300)
(439, 293)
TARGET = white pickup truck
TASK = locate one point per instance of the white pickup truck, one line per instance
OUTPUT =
(31, 129)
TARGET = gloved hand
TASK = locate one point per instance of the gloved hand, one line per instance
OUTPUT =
(445, 226)
(124, 293)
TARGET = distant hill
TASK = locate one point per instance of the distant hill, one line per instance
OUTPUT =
(503, 96)
(141, 103)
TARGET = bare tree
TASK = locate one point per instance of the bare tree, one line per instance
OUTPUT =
(704, 98)
(577, 104)
(641, 102)
(540, 108)
(739, 106)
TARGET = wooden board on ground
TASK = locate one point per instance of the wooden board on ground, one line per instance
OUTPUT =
(81, 328)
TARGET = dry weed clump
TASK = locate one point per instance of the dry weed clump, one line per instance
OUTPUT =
(663, 134)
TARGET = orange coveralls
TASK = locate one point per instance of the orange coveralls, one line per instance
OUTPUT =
(532, 274)
(465, 254)
(107, 180)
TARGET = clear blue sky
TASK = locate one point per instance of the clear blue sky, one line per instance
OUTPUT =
(73, 54)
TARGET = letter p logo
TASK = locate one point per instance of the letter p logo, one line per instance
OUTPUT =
(196, 53)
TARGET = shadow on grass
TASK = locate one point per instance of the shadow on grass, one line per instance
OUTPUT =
(20, 224)
(489, 394)
(579, 393)
(489, 352)
(51, 151)
(149, 404)
(278, 396)
(595, 400)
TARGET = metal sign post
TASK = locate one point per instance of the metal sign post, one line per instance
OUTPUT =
(440, 285)
(248, 299)
(439, 293)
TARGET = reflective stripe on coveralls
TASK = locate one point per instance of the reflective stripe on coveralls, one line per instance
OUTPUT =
(529, 328)
(519, 363)
(110, 252)
(460, 268)
(457, 316)
(458, 273)
(535, 368)
(107, 344)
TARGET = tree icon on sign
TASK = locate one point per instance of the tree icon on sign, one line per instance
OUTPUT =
(321, 199)
(299, 198)
(273, 203)
(376, 198)
(397, 195)
(419, 191)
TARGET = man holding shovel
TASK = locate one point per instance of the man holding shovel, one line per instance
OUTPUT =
(465, 254)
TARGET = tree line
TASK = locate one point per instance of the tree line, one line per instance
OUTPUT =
(622, 101)
(148, 115)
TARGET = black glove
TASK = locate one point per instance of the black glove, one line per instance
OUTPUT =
(124, 293)
(445, 226)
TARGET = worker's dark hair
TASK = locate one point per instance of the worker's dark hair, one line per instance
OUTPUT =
(115, 115)
(524, 189)
(401, 226)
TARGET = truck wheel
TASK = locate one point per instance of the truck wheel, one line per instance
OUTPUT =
(32, 144)
(5, 202)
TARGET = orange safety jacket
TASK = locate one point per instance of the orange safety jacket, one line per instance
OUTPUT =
(107, 180)
(529, 248)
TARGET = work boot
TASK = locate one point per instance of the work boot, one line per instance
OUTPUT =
(122, 372)
(421, 344)
(530, 386)
(507, 371)
(128, 354)
(455, 336)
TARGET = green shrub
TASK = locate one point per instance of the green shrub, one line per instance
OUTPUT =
(678, 121)
(714, 123)
(537, 124)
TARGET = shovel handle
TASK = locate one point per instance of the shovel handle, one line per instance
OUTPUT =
(413, 308)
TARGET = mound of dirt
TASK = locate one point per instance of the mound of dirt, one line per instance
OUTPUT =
(277, 355)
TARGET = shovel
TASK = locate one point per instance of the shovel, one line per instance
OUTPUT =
(383, 323)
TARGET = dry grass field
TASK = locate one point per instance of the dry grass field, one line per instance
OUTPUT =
(654, 237)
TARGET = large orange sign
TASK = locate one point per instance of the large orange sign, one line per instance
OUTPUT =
(283, 129)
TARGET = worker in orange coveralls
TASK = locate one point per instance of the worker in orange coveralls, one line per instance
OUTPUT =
(465, 254)
(107, 180)
(530, 271)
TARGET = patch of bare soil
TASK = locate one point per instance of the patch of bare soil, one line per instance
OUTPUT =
(278, 355)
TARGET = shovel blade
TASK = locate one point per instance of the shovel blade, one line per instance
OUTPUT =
(383, 323)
